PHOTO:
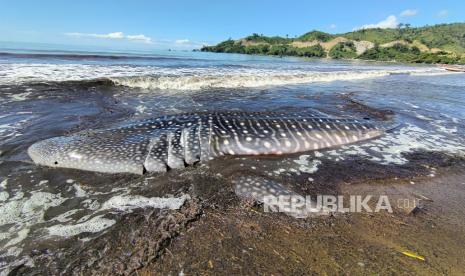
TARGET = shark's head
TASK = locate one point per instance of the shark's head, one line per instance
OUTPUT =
(51, 153)
(77, 152)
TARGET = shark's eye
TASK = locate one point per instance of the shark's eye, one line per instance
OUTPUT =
(366, 118)
(56, 162)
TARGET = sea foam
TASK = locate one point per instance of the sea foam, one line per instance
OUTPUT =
(193, 78)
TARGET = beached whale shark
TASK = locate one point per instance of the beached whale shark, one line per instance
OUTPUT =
(174, 141)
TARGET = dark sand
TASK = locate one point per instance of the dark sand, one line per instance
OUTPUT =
(218, 233)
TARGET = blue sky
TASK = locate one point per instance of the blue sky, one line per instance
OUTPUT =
(185, 24)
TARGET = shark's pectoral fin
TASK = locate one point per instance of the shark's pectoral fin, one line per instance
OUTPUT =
(191, 144)
(175, 158)
(157, 156)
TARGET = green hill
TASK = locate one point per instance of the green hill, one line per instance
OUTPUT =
(316, 35)
(443, 43)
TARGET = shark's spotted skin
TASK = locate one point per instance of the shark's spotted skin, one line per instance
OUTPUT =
(178, 140)
(276, 196)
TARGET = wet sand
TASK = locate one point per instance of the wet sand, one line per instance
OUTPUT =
(218, 233)
(248, 241)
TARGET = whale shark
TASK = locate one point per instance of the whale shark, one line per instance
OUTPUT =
(175, 141)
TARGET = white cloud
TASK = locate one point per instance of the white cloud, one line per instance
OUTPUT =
(179, 43)
(139, 37)
(114, 35)
(408, 13)
(389, 23)
(186, 43)
(332, 26)
(182, 41)
(443, 13)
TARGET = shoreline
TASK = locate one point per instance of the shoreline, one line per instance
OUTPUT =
(77, 215)
(342, 59)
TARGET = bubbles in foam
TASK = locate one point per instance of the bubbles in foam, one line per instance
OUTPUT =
(93, 225)
(391, 148)
(129, 202)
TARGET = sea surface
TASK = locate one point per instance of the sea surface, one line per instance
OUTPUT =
(46, 93)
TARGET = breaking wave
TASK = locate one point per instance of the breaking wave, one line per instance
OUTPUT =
(198, 82)
(195, 78)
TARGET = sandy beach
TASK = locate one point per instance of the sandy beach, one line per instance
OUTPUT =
(191, 220)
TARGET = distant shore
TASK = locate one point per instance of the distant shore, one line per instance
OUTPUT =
(438, 44)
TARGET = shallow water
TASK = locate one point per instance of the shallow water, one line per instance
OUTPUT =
(46, 94)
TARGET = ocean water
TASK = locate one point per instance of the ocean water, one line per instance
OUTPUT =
(46, 93)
